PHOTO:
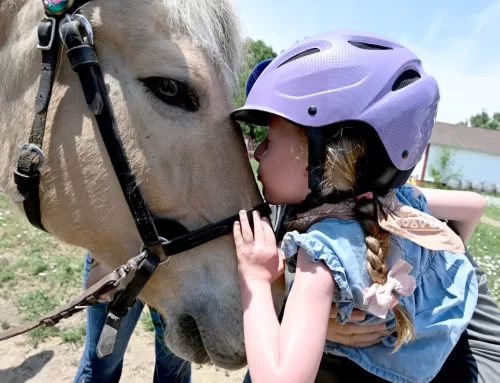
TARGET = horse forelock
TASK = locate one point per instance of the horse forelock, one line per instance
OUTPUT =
(214, 27)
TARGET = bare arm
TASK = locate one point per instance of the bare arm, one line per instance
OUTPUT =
(291, 352)
(463, 209)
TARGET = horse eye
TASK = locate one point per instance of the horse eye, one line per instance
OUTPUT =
(173, 92)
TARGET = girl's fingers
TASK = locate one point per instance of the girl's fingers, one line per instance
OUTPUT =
(258, 230)
(238, 239)
(269, 235)
(246, 231)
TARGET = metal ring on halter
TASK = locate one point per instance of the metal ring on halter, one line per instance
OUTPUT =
(89, 32)
(88, 27)
(164, 241)
(37, 150)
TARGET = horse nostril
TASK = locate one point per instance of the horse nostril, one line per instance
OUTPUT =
(188, 326)
(191, 335)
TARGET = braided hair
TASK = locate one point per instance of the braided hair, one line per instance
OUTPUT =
(344, 151)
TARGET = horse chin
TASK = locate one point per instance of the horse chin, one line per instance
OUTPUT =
(201, 345)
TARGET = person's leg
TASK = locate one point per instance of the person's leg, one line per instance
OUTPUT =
(169, 368)
(476, 358)
(247, 378)
(91, 368)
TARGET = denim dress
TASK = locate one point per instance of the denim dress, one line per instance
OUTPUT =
(440, 307)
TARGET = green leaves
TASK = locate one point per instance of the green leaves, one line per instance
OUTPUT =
(483, 120)
(444, 170)
(255, 52)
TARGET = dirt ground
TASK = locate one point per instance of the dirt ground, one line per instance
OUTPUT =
(56, 362)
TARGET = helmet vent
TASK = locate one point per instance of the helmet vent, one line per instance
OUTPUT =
(300, 55)
(368, 46)
(406, 78)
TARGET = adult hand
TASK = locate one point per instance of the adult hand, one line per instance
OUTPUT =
(96, 273)
(352, 334)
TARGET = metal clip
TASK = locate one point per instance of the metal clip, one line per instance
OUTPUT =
(131, 265)
(89, 33)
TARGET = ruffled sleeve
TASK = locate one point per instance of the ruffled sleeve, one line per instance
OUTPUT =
(319, 247)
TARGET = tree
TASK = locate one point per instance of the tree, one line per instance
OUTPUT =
(255, 52)
(443, 171)
(483, 120)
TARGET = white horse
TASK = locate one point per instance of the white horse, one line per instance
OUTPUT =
(191, 166)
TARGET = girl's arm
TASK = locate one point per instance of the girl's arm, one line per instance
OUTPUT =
(291, 352)
(463, 209)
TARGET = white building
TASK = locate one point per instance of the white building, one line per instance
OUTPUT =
(477, 153)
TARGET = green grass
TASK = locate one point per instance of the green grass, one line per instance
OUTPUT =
(484, 245)
(493, 212)
(147, 321)
(34, 304)
(37, 273)
(74, 335)
(255, 165)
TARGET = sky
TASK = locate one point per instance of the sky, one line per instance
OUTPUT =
(457, 40)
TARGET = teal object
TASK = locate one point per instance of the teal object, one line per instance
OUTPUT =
(57, 7)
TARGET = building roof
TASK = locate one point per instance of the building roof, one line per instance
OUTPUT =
(462, 137)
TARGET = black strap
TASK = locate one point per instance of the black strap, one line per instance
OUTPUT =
(207, 233)
(27, 174)
(85, 63)
(121, 303)
(316, 144)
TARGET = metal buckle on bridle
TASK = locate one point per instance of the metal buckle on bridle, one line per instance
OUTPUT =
(38, 151)
(89, 32)
(48, 47)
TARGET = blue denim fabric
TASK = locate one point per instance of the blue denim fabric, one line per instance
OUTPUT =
(168, 367)
(441, 306)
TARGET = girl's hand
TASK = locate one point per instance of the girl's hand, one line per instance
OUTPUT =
(258, 256)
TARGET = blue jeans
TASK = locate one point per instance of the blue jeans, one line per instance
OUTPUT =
(168, 367)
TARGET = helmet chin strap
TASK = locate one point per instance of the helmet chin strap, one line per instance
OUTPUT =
(316, 143)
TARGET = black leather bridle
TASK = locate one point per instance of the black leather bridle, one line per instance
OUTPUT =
(161, 237)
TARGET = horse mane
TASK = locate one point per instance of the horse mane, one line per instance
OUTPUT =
(214, 27)
(211, 24)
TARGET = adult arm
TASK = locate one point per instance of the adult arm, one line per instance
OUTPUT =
(462, 209)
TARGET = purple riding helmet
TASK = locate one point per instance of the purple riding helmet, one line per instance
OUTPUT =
(351, 79)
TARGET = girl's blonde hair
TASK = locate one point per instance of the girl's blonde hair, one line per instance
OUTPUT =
(344, 152)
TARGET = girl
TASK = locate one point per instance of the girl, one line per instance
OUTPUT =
(349, 117)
